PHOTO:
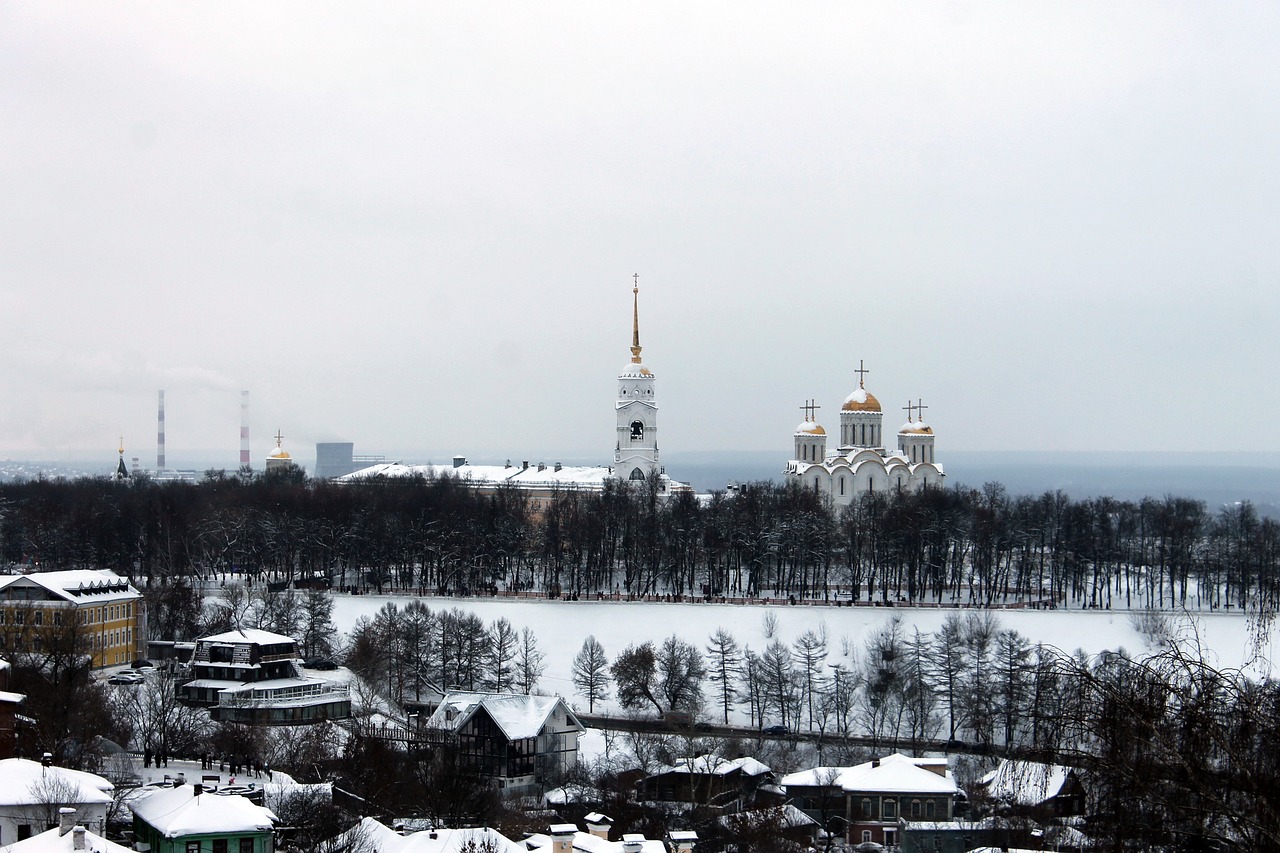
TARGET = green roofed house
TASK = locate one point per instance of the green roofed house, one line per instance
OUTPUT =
(188, 819)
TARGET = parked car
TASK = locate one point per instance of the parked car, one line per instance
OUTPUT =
(777, 730)
(128, 676)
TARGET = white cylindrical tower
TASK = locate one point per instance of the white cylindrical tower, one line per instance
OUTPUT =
(635, 454)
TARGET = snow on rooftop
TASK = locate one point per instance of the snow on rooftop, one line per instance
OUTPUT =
(585, 842)
(372, 835)
(1026, 783)
(24, 782)
(178, 811)
(53, 842)
(715, 766)
(76, 584)
(896, 773)
(519, 716)
(254, 636)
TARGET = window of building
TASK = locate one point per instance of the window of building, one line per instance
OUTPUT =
(915, 808)
(866, 807)
(57, 617)
(866, 836)
(219, 845)
(37, 618)
(19, 618)
(24, 831)
(928, 809)
(193, 847)
(890, 809)
(637, 474)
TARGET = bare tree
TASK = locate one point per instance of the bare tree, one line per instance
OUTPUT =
(530, 662)
(726, 667)
(591, 672)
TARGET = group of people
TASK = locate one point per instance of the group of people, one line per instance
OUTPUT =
(236, 766)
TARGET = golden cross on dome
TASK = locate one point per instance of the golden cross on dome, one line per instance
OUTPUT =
(910, 407)
(122, 445)
(862, 372)
(920, 407)
(809, 408)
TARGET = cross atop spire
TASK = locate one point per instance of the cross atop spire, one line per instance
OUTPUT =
(862, 372)
(635, 319)
(910, 409)
(279, 438)
(809, 408)
(122, 446)
(920, 407)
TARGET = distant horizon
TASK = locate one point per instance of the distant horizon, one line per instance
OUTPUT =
(1220, 479)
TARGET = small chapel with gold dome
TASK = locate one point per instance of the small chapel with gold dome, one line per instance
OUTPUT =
(861, 463)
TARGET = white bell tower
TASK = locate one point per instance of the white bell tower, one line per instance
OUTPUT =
(635, 455)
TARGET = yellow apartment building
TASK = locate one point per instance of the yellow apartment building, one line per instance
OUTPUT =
(94, 613)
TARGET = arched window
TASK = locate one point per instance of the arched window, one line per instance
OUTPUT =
(637, 431)
(842, 485)
(637, 474)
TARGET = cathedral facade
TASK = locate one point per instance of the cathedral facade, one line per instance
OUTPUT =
(861, 462)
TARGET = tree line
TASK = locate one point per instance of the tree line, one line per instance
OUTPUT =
(968, 546)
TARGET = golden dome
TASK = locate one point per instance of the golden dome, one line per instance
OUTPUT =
(810, 428)
(916, 428)
(861, 400)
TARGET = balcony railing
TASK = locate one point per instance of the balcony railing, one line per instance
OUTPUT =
(265, 697)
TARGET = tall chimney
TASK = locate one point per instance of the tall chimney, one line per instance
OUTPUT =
(77, 839)
(244, 428)
(160, 435)
(66, 820)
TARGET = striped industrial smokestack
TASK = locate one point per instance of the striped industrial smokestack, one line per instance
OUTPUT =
(160, 435)
(244, 428)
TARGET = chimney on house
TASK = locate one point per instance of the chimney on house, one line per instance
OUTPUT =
(562, 837)
(66, 820)
(77, 839)
(599, 825)
(632, 842)
(682, 841)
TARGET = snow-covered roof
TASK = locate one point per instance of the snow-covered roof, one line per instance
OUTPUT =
(519, 716)
(896, 773)
(373, 836)
(569, 477)
(78, 585)
(175, 812)
(1026, 783)
(253, 636)
(52, 842)
(585, 842)
(9, 696)
(24, 782)
(785, 816)
(714, 765)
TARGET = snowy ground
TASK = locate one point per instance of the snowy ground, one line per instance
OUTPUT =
(561, 626)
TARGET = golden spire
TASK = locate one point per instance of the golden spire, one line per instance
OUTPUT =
(635, 319)
(122, 446)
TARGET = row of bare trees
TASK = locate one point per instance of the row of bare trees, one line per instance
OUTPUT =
(976, 547)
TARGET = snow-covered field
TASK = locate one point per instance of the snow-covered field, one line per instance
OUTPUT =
(561, 626)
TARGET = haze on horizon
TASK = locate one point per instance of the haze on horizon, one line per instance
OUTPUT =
(414, 225)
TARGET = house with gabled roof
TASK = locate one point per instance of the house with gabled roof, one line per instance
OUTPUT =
(40, 610)
(31, 794)
(870, 798)
(519, 741)
(1033, 789)
(708, 780)
(189, 819)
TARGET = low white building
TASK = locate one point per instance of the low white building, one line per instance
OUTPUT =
(32, 794)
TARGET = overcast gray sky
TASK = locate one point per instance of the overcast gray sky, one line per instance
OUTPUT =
(414, 225)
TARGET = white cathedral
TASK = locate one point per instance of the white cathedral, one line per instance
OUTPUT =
(861, 463)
